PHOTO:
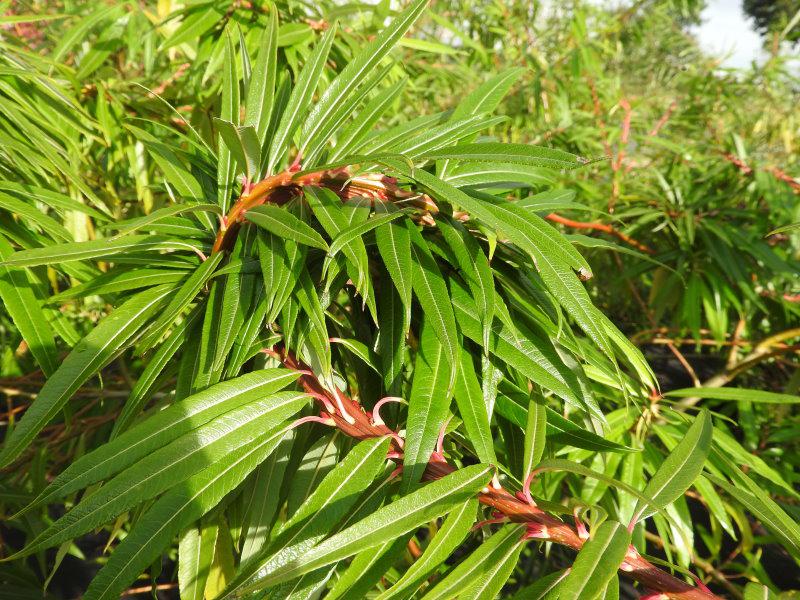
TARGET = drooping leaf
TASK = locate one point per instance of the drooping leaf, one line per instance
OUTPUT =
(477, 566)
(449, 536)
(597, 562)
(427, 405)
(175, 510)
(282, 223)
(19, 299)
(162, 428)
(683, 465)
(402, 515)
(106, 341)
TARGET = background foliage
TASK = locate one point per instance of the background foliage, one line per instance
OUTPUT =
(395, 249)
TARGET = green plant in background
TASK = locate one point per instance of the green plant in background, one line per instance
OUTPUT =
(307, 335)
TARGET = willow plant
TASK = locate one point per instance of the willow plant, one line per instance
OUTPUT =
(347, 333)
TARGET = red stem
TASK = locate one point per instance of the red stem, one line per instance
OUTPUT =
(541, 525)
(555, 218)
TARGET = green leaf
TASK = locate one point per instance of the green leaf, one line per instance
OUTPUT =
(431, 291)
(184, 296)
(171, 464)
(494, 576)
(281, 262)
(683, 465)
(229, 111)
(758, 591)
(542, 587)
(95, 249)
(32, 214)
(300, 99)
(195, 554)
(331, 500)
(357, 70)
(162, 428)
(263, 498)
(535, 431)
(364, 121)
(524, 154)
(597, 562)
(358, 230)
(784, 229)
(174, 511)
(473, 410)
(427, 405)
(750, 495)
(394, 246)
(532, 356)
(734, 394)
(163, 213)
(196, 23)
(104, 343)
(403, 515)
(475, 270)
(477, 565)
(24, 308)
(261, 92)
(154, 371)
(284, 224)
(450, 535)
(242, 142)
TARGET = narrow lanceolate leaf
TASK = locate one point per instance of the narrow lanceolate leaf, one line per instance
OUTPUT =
(59, 253)
(394, 245)
(184, 296)
(758, 591)
(524, 154)
(472, 408)
(242, 142)
(154, 372)
(284, 224)
(162, 428)
(357, 230)
(597, 562)
(175, 462)
(128, 227)
(392, 520)
(431, 291)
(427, 405)
(16, 292)
(455, 528)
(495, 576)
(281, 262)
(262, 498)
(229, 111)
(262, 82)
(358, 69)
(533, 357)
(535, 432)
(478, 564)
(335, 495)
(735, 394)
(681, 467)
(300, 99)
(182, 505)
(554, 257)
(475, 270)
(104, 343)
(195, 554)
(363, 122)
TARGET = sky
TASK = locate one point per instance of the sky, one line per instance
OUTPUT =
(725, 31)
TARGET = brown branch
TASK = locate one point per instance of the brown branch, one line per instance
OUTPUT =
(282, 187)
(594, 226)
(350, 417)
